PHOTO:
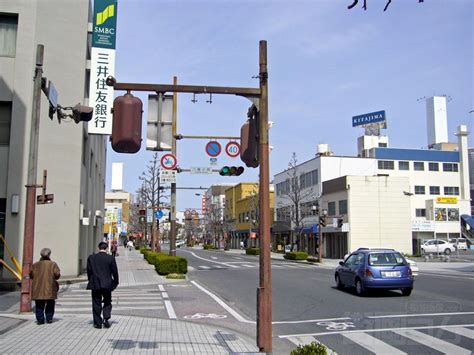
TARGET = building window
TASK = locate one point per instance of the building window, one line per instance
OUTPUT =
(386, 164)
(420, 212)
(419, 190)
(403, 165)
(434, 190)
(419, 166)
(383, 145)
(5, 122)
(451, 190)
(433, 166)
(8, 29)
(450, 167)
(331, 208)
(343, 207)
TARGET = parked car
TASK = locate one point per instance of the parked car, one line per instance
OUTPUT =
(460, 243)
(367, 269)
(437, 246)
(180, 243)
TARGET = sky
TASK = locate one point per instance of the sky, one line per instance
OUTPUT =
(325, 64)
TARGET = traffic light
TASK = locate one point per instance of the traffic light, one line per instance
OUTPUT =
(322, 221)
(249, 139)
(340, 222)
(127, 124)
(231, 170)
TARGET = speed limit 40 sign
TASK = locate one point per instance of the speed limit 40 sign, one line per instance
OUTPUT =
(232, 149)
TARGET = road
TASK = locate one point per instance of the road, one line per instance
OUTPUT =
(436, 318)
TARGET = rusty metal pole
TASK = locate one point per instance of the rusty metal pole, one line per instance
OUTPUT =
(29, 232)
(173, 185)
(264, 292)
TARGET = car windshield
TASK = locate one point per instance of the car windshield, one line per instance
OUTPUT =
(386, 259)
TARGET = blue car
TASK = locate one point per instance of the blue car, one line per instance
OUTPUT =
(367, 269)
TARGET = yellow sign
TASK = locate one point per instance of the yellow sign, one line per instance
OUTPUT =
(450, 200)
(104, 15)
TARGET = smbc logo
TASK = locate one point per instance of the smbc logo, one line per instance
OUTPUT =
(101, 17)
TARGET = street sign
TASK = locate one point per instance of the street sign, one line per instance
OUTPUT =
(168, 176)
(201, 170)
(213, 161)
(213, 148)
(232, 149)
(368, 118)
(187, 214)
(159, 214)
(169, 161)
(149, 215)
(49, 198)
(52, 95)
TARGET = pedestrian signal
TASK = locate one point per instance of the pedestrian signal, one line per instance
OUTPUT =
(231, 171)
(322, 221)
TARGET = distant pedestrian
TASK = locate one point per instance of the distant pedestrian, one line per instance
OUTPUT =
(103, 278)
(45, 286)
(130, 245)
(113, 249)
(125, 241)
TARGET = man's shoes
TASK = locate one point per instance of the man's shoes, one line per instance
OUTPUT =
(98, 326)
(39, 323)
(106, 323)
(49, 321)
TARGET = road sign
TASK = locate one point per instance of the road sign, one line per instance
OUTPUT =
(213, 161)
(49, 198)
(201, 170)
(169, 161)
(232, 149)
(168, 176)
(149, 215)
(213, 148)
(159, 214)
(52, 95)
(187, 214)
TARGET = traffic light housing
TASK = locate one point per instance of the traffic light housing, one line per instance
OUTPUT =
(322, 221)
(231, 170)
(249, 139)
(127, 124)
(340, 222)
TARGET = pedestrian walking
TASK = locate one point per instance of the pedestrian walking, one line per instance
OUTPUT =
(103, 278)
(113, 249)
(45, 286)
(130, 245)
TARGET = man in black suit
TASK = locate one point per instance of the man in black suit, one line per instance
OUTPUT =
(103, 278)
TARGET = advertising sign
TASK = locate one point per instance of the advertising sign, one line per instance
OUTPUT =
(447, 200)
(368, 118)
(101, 96)
(422, 226)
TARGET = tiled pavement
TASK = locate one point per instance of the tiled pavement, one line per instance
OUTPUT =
(143, 321)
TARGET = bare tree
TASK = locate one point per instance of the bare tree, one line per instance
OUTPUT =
(355, 2)
(151, 196)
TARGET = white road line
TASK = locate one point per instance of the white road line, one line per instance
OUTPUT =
(114, 302)
(465, 332)
(190, 268)
(115, 308)
(373, 344)
(421, 273)
(170, 310)
(421, 315)
(223, 304)
(310, 320)
(302, 340)
(212, 261)
(433, 342)
(165, 295)
(248, 265)
(203, 267)
(161, 288)
(213, 258)
(237, 258)
(375, 330)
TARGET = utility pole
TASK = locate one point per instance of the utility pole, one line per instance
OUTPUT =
(29, 233)
(173, 185)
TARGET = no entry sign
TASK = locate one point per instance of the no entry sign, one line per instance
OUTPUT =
(169, 161)
(232, 149)
(213, 148)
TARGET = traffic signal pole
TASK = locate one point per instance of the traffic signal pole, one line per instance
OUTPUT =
(258, 96)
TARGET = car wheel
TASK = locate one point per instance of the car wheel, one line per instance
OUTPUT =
(359, 288)
(339, 283)
(406, 291)
(447, 251)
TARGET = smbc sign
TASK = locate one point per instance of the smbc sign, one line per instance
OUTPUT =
(105, 23)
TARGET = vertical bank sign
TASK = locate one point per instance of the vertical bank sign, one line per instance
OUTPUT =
(101, 96)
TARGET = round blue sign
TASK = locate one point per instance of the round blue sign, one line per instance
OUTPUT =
(213, 148)
(159, 214)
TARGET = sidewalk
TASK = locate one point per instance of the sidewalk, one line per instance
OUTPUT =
(72, 330)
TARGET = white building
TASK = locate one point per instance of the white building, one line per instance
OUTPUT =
(75, 161)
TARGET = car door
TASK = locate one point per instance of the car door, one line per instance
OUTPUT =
(355, 267)
(430, 247)
(344, 271)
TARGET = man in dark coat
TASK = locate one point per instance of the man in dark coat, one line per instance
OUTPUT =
(103, 278)
(44, 274)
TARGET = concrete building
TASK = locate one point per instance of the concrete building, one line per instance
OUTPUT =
(74, 160)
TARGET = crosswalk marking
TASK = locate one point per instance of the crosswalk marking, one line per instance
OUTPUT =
(373, 344)
(465, 332)
(115, 307)
(432, 342)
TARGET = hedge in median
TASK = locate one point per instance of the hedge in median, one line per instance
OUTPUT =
(208, 246)
(165, 264)
(296, 255)
(252, 251)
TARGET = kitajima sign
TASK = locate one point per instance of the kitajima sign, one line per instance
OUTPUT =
(101, 96)
(368, 118)
(447, 200)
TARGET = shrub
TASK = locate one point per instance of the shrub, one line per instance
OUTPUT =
(252, 251)
(296, 255)
(176, 276)
(310, 349)
(143, 250)
(171, 265)
(208, 246)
